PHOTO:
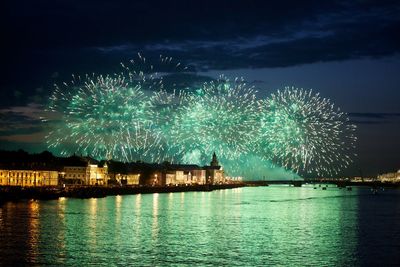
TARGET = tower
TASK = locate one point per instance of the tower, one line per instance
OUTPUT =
(214, 162)
(214, 172)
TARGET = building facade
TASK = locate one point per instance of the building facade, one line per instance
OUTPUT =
(193, 174)
(86, 171)
(28, 178)
(391, 177)
(125, 179)
(91, 174)
(185, 175)
(215, 173)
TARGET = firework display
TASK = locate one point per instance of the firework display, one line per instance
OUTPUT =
(134, 116)
(104, 117)
(109, 116)
(221, 116)
(303, 132)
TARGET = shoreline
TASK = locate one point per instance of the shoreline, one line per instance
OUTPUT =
(16, 193)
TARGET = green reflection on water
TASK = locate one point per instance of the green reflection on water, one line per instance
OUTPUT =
(241, 227)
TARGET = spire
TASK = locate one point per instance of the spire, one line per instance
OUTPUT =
(214, 161)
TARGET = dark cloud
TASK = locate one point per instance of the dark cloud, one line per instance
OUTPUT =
(374, 115)
(90, 23)
(44, 37)
(374, 118)
(184, 80)
(20, 120)
(208, 27)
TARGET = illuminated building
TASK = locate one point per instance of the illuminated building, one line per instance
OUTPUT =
(215, 173)
(391, 177)
(28, 178)
(126, 179)
(84, 171)
(185, 174)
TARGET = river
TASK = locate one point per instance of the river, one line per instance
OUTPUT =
(251, 226)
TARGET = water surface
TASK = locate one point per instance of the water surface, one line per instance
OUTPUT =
(253, 226)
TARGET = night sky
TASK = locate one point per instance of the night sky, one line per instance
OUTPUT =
(346, 50)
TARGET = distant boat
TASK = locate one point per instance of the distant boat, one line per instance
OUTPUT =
(349, 188)
(323, 188)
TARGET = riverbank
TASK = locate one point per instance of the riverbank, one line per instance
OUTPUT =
(15, 193)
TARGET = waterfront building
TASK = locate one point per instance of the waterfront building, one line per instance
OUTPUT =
(22, 169)
(18, 168)
(182, 174)
(84, 171)
(125, 179)
(391, 177)
(185, 174)
(28, 178)
(122, 173)
(215, 173)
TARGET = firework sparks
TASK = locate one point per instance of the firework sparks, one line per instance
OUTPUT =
(221, 116)
(131, 116)
(304, 132)
(102, 116)
(114, 116)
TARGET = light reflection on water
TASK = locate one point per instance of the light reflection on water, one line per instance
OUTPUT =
(239, 227)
